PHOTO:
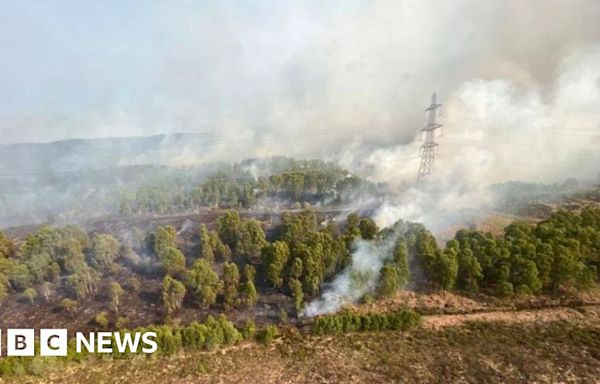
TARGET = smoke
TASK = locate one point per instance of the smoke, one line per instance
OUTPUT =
(494, 132)
(266, 78)
(358, 279)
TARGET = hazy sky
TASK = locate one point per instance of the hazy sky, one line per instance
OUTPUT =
(117, 68)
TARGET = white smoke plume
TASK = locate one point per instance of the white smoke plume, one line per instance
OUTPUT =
(493, 132)
(358, 279)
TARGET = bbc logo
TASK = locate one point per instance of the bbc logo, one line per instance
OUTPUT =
(54, 342)
(21, 342)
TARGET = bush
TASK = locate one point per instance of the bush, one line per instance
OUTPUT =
(249, 330)
(351, 322)
(68, 305)
(504, 289)
(269, 334)
(101, 320)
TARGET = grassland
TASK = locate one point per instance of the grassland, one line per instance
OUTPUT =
(472, 352)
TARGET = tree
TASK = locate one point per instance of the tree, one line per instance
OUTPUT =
(3, 289)
(275, 257)
(39, 265)
(19, 276)
(524, 273)
(447, 268)
(228, 228)
(46, 291)
(105, 249)
(296, 268)
(30, 294)
(269, 334)
(469, 271)
(249, 329)
(400, 260)
(6, 246)
(297, 293)
(427, 251)
(102, 320)
(133, 284)
(231, 282)
(249, 293)
(115, 292)
(173, 261)
(173, 293)
(68, 305)
(221, 250)
(249, 272)
(206, 246)
(164, 237)
(84, 281)
(368, 228)
(389, 281)
(203, 282)
(251, 240)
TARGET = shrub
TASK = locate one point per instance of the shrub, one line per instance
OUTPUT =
(269, 334)
(101, 320)
(351, 322)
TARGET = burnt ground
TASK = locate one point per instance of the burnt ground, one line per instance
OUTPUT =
(117, 225)
(141, 308)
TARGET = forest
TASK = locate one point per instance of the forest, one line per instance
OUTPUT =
(233, 261)
(237, 261)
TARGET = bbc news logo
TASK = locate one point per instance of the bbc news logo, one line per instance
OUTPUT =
(55, 342)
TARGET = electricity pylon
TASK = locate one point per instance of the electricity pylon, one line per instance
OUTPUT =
(429, 148)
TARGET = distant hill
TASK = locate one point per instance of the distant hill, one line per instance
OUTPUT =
(82, 154)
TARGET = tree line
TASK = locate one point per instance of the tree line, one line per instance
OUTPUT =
(239, 186)
(235, 261)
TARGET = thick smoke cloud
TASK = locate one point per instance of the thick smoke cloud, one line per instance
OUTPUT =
(260, 76)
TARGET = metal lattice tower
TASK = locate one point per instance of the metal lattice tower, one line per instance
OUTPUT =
(429, 148)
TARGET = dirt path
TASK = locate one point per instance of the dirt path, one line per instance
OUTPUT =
(579, 314)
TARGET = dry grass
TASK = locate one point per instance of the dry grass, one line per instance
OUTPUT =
(474, 352)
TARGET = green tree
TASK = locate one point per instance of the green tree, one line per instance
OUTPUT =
(84, 281)
(6, 246)
(173, 293)
(228, 228)
(368, 228)
(115, 292)
(469, 271)
(173, 261)
(203, 282)
(296, 268)
(105, 249)
(275, 257)
(297, 293)
(249, 294)
(231, 283)
(69, 305)
(164, 238)
(102, 320)
(206, 247)
(251, 241)
(30, 294)
(249, 329)
(389, 281)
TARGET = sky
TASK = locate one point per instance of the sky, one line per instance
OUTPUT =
(308, 78)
